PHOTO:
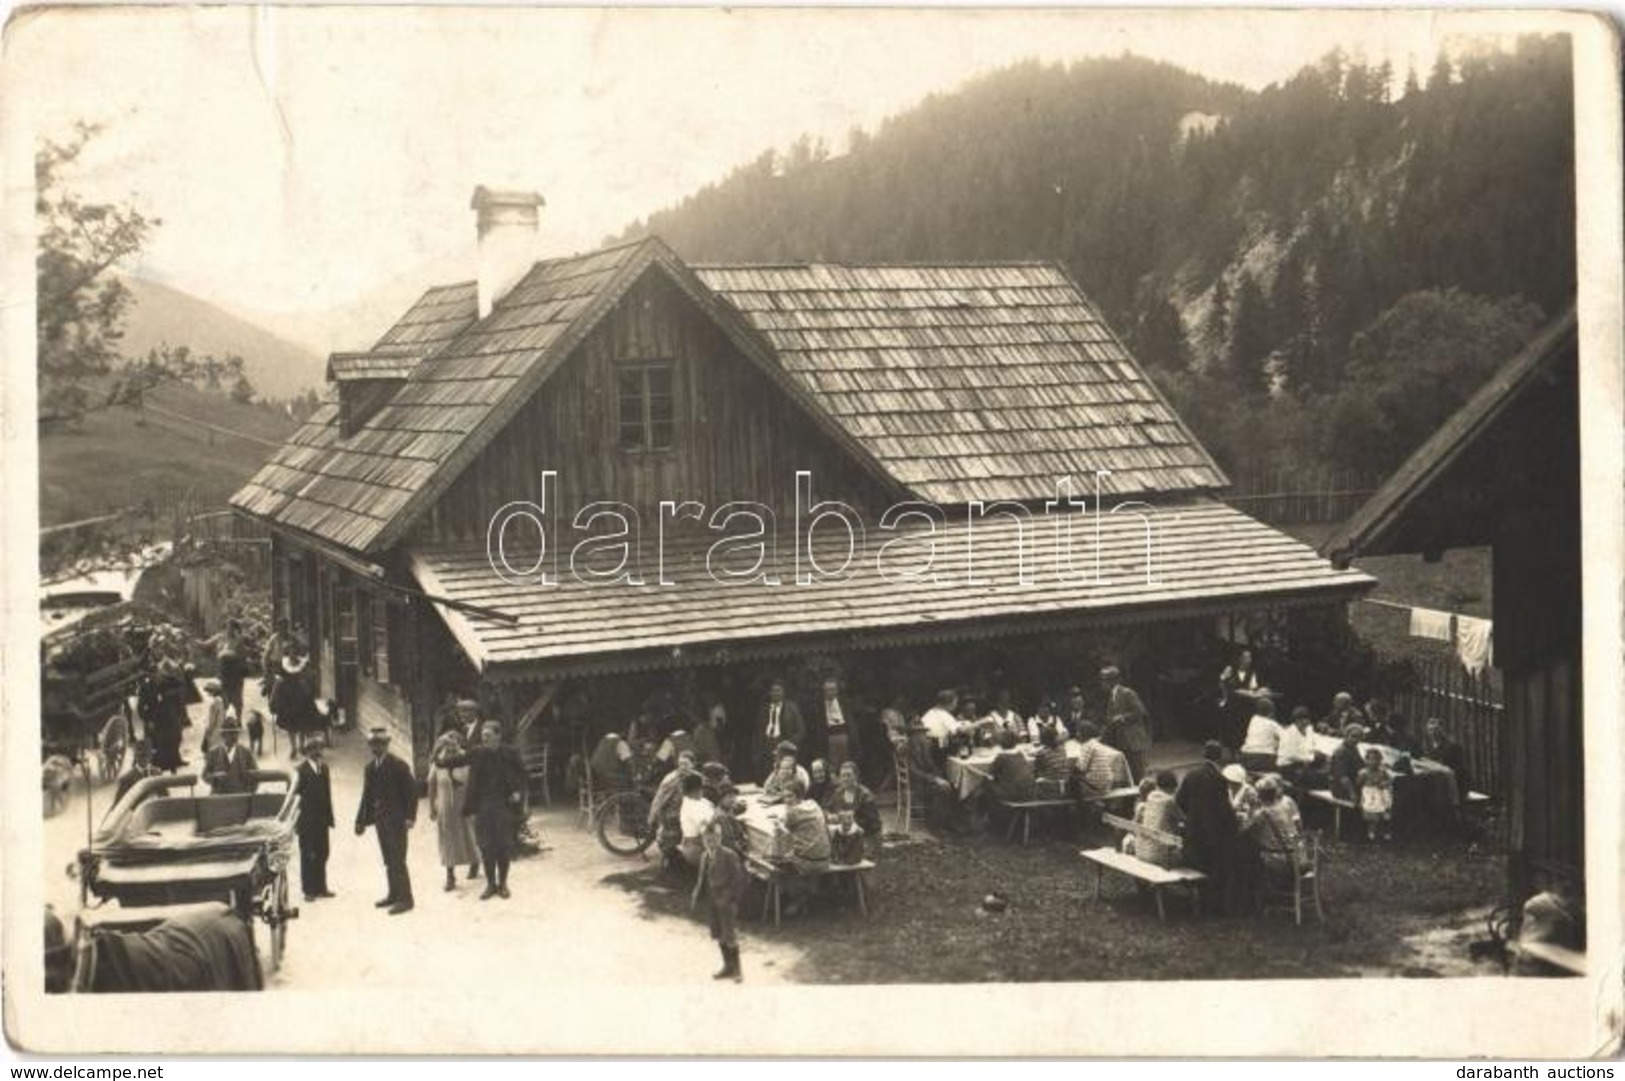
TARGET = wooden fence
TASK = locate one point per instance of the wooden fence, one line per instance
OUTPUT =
(1300, 497)
(1471, 708)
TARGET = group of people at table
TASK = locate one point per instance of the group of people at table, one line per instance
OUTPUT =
(809, 813)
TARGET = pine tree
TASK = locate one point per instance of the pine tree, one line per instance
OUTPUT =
(1159, 338)
(1248, 362)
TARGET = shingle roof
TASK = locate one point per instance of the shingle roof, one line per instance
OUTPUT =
(971, 381)
(349, 491)
(349, 367)
(952, 383)
(1209, 558)
(363, 491)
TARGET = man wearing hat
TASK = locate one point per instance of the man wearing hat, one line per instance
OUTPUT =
(389, 804)
(1128, 725)
(230, 767)
(315, 787)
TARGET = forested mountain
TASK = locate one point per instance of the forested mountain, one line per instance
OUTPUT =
(1255, 248)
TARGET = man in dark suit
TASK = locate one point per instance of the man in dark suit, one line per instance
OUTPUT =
(780, 722)
(1447, 752)
(838, 728)
(315, 787)
(389, 804)
(1210, 826)
(229, 767)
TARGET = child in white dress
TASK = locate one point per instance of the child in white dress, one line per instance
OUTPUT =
(1376, 796)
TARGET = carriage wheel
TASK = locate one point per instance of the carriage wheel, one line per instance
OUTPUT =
(277, 916)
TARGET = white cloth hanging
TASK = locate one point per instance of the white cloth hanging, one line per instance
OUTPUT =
(1474, 643)
(1427, 623)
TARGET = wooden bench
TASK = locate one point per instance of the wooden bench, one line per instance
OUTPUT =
(1022, 810)
(1158, 878)
(1338, 806)
(771, 875)
(1153, 875)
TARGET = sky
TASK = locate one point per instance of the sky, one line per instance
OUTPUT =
(302, 157)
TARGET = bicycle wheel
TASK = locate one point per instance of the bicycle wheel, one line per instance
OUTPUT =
(623, 824)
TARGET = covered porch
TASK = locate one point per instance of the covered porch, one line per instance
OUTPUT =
(1161, 593)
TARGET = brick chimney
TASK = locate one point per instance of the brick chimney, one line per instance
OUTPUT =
(507, 233)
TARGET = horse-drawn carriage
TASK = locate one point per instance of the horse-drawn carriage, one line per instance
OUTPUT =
(163, 845)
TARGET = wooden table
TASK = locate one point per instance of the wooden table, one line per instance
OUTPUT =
(968, 775)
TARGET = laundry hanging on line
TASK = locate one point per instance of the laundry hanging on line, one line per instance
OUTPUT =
(1474, 643)
(1427, 623)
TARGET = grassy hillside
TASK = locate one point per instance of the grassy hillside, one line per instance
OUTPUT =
(122, 457)
(277, 367)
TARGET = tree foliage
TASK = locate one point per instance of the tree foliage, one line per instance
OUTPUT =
(1240, 240)
(1417, 363)
(81, 302)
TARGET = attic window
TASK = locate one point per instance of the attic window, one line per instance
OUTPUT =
(359, 399)
(647, 417)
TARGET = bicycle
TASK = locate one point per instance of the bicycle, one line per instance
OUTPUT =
(623, 821)
(622, 817)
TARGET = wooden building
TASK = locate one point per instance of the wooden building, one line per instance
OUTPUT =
(1504, 471)
(627, 376)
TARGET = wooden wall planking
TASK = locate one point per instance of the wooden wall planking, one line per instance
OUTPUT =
(738, 437)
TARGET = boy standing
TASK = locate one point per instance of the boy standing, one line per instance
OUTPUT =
(722, 878)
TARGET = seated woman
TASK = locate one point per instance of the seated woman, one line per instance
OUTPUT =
(819, 785)
(776, 789)
(1381, 727)
(665, 808)
(925, 775)
(849, 796)
(810, 848)
(1263, 740)
(1003, 718)
(716, 778)
(1346, 762)
(1158, 811)
(1277, 828)
(1047, 717)
(1011, 772)
(1243, 796)
(1053, 767)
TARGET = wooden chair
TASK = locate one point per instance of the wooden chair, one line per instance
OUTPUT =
(537, 761)
(586, 798)
(905, 790)
(1279, 895)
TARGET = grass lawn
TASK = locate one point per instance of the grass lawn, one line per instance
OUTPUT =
(121, 457)
(1398, 909)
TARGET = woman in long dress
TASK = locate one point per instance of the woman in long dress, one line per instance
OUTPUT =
(448, 791)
